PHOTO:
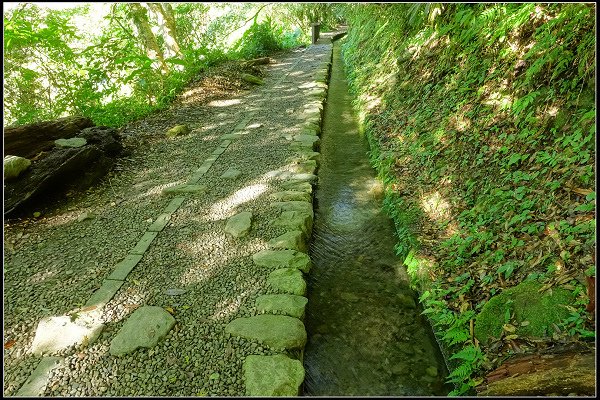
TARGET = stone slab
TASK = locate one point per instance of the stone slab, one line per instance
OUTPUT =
(175, 203)
(276, 331)
(291, 195)
(35, 385)
(230, 136)
(72, 142)
(275, 375)
(123, 268)
(289, 304)
(239, 224)
(312, 178)
(105, 293)
(231, 173)
(225, 143)
(57, 333)
(185, 188)
(144, 328)
(282, 259)
(298, 186)
(295, 220)
(287, 280)
(299, 206)
(218, 151)
(160, 222)
(143, 244)
(293, 240)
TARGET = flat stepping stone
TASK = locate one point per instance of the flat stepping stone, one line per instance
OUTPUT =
(276, 375)
(58, 333)
(123, 268)
(298, 186)
(293, 240)
(289, 304)
(239, 225)
(71, 143)
(144, 328)
(291, 195)
(276, 331)
(35, 385)
(295, 220)
(178, 130)
(282, 259)
(231, 173)
(185, 188)
(106, 292)
(287, 280)
(231, 136)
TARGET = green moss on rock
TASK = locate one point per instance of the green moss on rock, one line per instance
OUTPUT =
(537, 310)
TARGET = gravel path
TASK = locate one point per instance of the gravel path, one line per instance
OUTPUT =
(53, 264)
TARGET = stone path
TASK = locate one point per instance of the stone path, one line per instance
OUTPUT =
(234, 231)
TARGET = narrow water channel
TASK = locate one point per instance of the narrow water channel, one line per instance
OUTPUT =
(366, 335)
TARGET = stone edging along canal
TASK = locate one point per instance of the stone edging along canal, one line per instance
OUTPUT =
(264, 375)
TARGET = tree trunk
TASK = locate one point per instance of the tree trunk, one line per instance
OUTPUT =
(63, 168)
(543, 375)
(29, 140)
(166, 12)
(140, 19)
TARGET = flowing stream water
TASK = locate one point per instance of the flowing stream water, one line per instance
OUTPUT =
(366, 336)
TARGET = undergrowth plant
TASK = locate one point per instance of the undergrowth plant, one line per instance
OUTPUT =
(481, 122)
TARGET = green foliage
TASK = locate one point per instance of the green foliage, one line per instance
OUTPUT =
(489, 107)
(71, 61)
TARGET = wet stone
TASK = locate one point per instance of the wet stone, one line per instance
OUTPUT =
(282, 259)
(276, 331)
(276, 375)
(144, 328)
(287, 280)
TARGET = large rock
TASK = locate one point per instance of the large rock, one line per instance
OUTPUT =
(276, 375)
(15, 166)
(293, 240)
(288, 304)
(144, 328)
(287, 280)
(72, 142)
(282, 259)
(299, 206)
(58, 333)
(298, 186)
(239, 225)
(295, 220)
(276, 331)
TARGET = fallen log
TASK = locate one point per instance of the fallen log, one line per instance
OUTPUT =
(29, 140)
(63, 168)
(543, 375)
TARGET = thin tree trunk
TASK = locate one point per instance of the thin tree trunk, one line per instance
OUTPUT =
(170, 27)
(140, 19)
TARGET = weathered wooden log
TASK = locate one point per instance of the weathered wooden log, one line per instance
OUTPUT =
(29, 140)
(543, 374)
(65, 167)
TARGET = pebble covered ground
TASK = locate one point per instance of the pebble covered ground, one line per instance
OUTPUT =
(53, 264)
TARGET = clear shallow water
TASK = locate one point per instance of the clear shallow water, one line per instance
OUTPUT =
(365, 335)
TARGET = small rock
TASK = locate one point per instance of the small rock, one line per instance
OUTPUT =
(175, 292)
(239, 225)
(15, 166)
(178, 130)
(276, 375)
(72, 142)
(84, 216)
(432, 371)
(144, 328)
(231, 173)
